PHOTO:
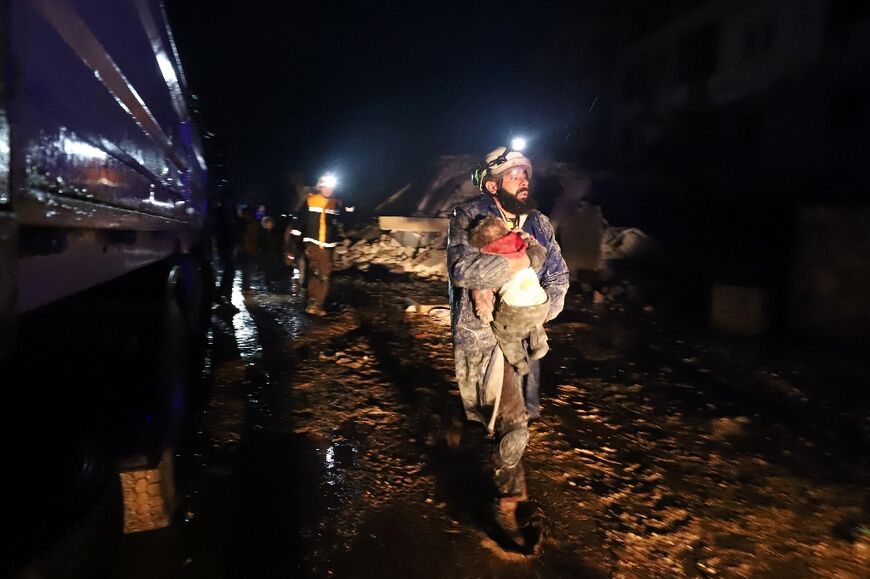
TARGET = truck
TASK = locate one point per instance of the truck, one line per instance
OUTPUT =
(105, 272)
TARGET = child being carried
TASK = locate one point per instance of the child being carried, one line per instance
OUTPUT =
(523, 304)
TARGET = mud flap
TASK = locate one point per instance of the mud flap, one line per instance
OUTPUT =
(149, 495)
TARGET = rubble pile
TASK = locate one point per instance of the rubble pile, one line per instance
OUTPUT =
(420, 254)
(625, 242)
(424, 255)
(612, 292)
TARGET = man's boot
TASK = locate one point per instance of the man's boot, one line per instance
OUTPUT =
(314, 309)
(505, 515)
(511, 483)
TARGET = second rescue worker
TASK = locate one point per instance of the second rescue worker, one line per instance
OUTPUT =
(321, 235)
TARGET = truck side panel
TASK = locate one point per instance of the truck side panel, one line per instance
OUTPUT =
(101, 180)
(101, 140)
(8, 223)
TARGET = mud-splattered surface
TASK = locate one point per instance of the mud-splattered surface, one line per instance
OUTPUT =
(336, 447)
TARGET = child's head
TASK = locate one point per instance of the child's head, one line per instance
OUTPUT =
(486, 230)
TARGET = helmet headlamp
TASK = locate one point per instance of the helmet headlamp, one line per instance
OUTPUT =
(328, 180)
(497, 162)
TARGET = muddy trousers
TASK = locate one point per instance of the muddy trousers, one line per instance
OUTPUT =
(319, 269)
(531, 388)
(511, 437)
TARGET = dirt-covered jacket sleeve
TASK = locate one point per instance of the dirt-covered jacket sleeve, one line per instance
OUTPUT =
(468, 267)
(554, 276)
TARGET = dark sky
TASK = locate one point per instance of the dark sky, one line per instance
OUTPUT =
(377, 89)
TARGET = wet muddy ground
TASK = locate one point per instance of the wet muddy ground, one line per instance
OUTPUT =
(336, 447)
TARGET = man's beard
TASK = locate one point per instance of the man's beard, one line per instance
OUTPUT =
(513, 205)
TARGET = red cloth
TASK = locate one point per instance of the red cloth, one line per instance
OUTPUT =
(511, 246)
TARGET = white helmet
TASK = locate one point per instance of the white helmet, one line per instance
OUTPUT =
(497, 162)
(328, 180)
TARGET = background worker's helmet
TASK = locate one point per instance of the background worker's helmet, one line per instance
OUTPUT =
(327, 180)
(498, 162)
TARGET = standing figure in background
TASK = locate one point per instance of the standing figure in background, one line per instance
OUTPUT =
(321, 235)
(271, 247)
(249, 245)
(294, 248)
(227, 237)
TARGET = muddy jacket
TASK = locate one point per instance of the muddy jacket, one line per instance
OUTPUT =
(468, 268)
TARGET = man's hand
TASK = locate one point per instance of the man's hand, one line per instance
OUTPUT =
(537, 256)
(518, 263)
(525, 235)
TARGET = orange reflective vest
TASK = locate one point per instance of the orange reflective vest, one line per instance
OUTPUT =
(322, 223)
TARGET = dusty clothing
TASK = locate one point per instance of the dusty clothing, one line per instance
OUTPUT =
(490, 235)
(523, 289)
(492, 391)
(522, 308)
(512, 433)
(319, 269)
(513, 326)
(474, 341)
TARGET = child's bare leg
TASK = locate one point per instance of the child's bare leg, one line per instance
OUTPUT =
(483, 304)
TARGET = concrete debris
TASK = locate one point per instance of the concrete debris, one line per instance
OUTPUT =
(420, 254)
(625, 242)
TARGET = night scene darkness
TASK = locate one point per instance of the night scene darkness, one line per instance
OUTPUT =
(435, 289)
(375, 90)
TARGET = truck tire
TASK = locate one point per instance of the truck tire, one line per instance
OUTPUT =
(68, 516)
(148, 472)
